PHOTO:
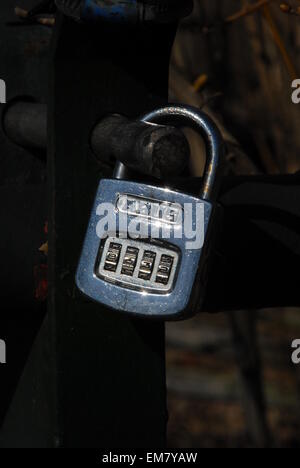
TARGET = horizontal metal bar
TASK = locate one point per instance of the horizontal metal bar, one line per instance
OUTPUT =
(154, 150)
(25, 123)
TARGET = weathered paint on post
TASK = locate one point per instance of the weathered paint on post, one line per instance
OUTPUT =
(112, 11)
(126, 11)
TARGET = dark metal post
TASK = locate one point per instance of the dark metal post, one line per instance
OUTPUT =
(109, 370)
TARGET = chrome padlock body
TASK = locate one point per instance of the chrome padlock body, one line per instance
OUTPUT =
(147, 248)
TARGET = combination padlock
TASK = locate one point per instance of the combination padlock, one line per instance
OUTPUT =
(147, 248)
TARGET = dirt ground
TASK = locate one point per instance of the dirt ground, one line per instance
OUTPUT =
(206, 407)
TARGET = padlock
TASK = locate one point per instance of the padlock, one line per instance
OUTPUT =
(147, 247)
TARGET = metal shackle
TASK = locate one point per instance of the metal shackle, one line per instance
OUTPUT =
(186, 116)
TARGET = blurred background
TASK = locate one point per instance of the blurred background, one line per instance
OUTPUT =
(231, 381)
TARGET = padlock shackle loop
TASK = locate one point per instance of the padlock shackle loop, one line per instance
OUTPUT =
(187, 116)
